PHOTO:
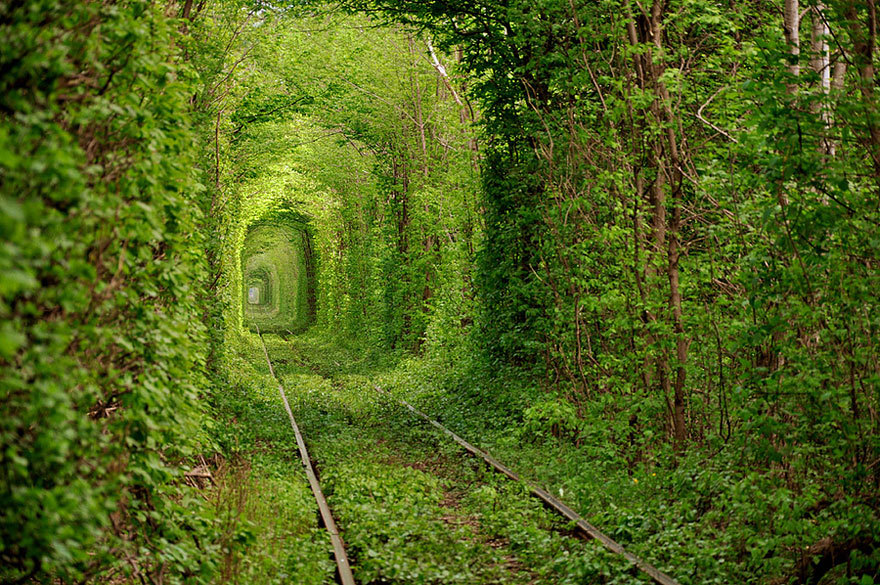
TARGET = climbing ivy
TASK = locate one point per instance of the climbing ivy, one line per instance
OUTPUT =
(644, 232)
(383, 173)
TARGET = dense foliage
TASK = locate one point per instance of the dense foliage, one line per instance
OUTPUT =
(101, 345)
(278, 271)
(681, 224)
(639, 239)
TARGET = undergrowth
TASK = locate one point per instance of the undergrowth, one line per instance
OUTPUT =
(412, 507)
(270, 519)
(704, 517)
(709, 516)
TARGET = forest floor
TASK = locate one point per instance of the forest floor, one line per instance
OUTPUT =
(411, 505)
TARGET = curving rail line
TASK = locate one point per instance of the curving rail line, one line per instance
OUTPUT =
(344, 569)
(543, 495)
(342, 564)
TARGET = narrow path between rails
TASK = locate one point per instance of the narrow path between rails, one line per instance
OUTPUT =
(398, 505)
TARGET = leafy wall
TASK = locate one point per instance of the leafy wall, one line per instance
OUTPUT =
(101, 345)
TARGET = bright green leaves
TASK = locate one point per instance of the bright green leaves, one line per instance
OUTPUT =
(11, 341)
(278, 251)
(99, 261)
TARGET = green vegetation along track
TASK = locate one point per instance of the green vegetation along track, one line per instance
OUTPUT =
(412, 510)
(342, 565)
(551, 502)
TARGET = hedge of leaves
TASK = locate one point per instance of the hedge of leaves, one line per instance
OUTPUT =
(101, 347)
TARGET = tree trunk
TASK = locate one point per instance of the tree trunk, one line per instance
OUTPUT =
(791, 27)
(665, 191)
(821, 64)
(864, 36)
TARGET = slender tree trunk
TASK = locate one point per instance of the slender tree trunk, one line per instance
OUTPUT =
(821, 63)
(665, 192)
(819, 43)
(791, 27)
(417, 106)
(838, 76)
(864, 36)
(400, 195)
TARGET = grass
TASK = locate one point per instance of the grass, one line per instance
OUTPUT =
(413, 508)
(260, 492)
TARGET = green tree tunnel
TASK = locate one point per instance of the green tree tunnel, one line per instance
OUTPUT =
(631, 247)
(278, 275)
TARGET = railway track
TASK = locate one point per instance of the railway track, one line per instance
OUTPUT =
(343, 567)
(584, 528)
(551, 502)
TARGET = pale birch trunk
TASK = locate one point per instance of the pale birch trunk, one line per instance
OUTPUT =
(821, 63)
(791, 26)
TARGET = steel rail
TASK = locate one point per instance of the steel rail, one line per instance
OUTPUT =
(543, 495)
(342, 564)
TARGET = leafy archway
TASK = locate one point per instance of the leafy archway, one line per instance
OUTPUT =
(277, 261)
